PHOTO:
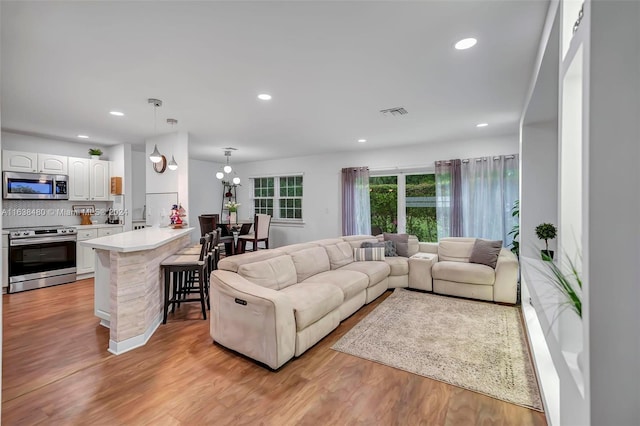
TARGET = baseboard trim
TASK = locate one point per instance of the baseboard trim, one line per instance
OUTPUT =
(118, 348)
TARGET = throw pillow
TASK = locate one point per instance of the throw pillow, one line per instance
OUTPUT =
(369, 253)
(389, 247)
(485, 252)
(401, 241)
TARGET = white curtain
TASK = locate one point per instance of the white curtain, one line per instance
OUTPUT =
(356, 205)
(489, 189)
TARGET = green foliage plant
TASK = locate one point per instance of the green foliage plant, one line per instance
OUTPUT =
(515, 231)
(95, 151)
(546, 232)
(569, 285)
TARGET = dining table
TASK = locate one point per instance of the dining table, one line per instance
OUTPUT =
(241, 227)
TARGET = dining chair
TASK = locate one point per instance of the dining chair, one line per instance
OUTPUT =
(261, 225)
(208, 223)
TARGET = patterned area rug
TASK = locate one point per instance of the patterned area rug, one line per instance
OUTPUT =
(478, 346)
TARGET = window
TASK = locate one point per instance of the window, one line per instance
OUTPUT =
(280, 197)
(404, 203)
(420, 202)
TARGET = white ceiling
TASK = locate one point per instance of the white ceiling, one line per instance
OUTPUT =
(330, 66)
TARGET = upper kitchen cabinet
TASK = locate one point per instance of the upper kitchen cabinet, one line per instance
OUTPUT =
(18, 161)
(88, 179)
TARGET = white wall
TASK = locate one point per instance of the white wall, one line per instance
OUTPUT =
(173, 144)
(613, 204)
(138, 182)
(120, 156)
(322, 185)
(205, 191)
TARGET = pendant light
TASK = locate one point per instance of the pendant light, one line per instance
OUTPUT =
(227, 169)
(155, 156)
(172, 164)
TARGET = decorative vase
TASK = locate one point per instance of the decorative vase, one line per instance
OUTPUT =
(232, 218)
(95, 157)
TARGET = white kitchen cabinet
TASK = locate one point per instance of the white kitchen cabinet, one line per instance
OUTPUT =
(99, 180)
(85, 257)
(53, 164)
(78, 178)
(19, 161)
(88, 179)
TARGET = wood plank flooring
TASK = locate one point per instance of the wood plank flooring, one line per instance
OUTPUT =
(57, 371)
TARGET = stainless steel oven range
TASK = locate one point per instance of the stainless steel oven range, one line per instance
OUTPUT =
(41, 257)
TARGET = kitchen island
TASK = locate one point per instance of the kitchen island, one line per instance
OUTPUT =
(129, 283)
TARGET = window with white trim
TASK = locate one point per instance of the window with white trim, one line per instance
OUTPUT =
(278, 196)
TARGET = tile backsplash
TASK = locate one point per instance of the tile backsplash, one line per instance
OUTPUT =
(17, 213)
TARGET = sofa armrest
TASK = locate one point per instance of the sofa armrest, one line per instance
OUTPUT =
(429, 248)
(505, 286)
(253, 320)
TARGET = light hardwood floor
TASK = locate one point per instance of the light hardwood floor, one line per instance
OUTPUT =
(57, 371)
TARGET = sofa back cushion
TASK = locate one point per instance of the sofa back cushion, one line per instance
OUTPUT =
(292, 248)
(276, 273)
(233, 263)
(356, 240)
(339, 254)
(414, 245)
(455, 249)
(310, 262)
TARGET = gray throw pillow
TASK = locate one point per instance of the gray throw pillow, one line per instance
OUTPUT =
(401, 241)
(389, 247)
(485, 252)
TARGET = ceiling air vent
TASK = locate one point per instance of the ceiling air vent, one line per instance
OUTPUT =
(394, 111)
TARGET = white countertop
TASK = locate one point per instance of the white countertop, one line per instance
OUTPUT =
(138, 240)
(98, 225)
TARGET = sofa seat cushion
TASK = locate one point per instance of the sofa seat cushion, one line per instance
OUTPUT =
(375, 270)
(312, 301)
(350, 282)
(399, 265)
(463, 272)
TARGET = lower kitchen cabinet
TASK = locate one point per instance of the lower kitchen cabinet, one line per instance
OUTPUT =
(85, 256)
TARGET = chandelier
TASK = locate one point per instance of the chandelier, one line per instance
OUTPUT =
(225, 174)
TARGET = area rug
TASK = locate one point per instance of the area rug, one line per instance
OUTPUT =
(478, 346)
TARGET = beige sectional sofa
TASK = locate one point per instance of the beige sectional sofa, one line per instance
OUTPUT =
(454, 275)
(272, 305)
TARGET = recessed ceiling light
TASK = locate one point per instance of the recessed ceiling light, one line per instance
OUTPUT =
(116, 113)
(482, 125)
(264, 97)
(83, 136)
(465, 43)
(362, 140)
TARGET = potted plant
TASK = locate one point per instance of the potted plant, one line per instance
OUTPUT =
(95, 153)
(546, 232)
(232, 206)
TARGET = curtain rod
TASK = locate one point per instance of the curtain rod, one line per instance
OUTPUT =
(466, 160)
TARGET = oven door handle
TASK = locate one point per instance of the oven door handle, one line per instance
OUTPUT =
(45, 240)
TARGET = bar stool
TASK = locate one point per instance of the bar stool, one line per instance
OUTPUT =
(185, 270)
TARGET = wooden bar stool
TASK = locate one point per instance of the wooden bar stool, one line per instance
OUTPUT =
(186, 270)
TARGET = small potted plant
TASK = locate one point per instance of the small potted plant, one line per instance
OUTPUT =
(95, 153)
(546, 232)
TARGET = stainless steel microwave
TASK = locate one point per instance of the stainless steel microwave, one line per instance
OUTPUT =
(34, 186)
